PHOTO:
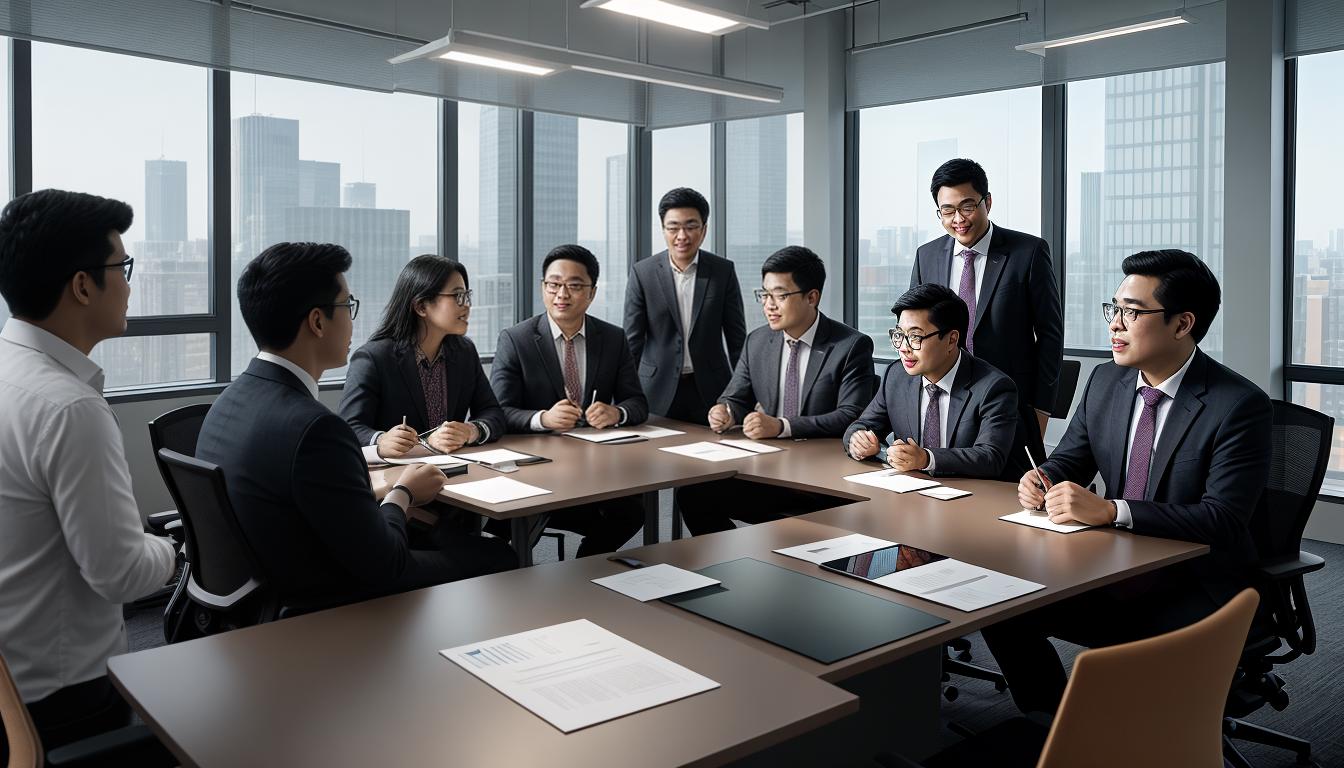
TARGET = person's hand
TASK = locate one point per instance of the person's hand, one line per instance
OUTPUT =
(720, 418)
(563, 415)
(423, 481)
(453, 435)
(907, 456)
(601, 415)
(863, 444)
(1029, 493)
(762, 426)
(1072, 503)
(396, 441)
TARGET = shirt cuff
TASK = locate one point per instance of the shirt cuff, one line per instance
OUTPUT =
(398, 498)
(1123, 518)
(535, 424)
(376, 435)
(624, 416)
(484, 431)
(932, 464)
(787, 431)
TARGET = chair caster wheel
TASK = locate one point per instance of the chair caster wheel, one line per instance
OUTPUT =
(951, 693)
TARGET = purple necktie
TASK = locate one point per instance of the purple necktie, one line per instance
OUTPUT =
(1141, 451)
(933, 418)
(573, 390)
(791, 381)
(967, 293)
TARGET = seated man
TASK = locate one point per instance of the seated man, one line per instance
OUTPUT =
(943, 411)
(562, 369)
(1181, 443)
(72, 544)
(297, 479)
(801, 375)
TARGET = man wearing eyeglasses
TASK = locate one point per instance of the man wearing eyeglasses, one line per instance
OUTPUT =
(942, 410)
(802, 375)
(683, 307)
(1007, 281)
(1182, 446)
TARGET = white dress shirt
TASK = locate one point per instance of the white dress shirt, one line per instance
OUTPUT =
(72, 543)
(581, 353)
(945, 384)
(958, 262)
(1170, 387)
(804, 354)
(684, 282)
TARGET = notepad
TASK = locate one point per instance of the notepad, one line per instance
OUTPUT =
(752, 445)
(891, 480)
(944, 493)
(709, 451)
(496, 490)
(1038, 519)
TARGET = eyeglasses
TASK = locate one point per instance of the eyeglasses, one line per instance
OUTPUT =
(352, 305)
(1127, 314)
(127, 267)
(778, 298)
(967, 208)
(899, 337)
(553, 288)
(690, 228)
(463, 298)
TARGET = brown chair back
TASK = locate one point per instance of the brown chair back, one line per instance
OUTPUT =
(25, 747)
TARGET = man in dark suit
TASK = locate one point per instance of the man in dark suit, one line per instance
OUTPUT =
(295, 473)
(1007, 280)
(563, 369)
(813, 390)
(1181, 443)
(943, 411)
(681, 307)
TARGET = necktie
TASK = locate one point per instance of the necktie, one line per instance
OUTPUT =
(1141, 452)
(791, 381)
(967, 293)
(573, 390)
(933, 419)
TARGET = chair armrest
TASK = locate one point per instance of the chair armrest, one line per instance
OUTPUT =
(1279, 570)
(159, 520)
(132, 745)
(176, 532)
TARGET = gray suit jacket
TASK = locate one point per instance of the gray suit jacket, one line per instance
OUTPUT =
(653, 327)
(837, 384)
(981, 418)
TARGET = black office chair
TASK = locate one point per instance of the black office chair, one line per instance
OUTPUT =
(1301, 441)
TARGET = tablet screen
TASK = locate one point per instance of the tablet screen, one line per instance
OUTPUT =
(883, 562)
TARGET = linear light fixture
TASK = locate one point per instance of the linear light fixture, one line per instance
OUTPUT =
(507, 53)
(679, 13)
(1166, 20)
(987, 23)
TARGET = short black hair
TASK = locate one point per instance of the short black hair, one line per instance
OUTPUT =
(684, 197)
(572, 252)
(48, 236)
(947, 311)
(1186, 284)
(806, 267)
(420, 281)
(280, 287)
(956, 172)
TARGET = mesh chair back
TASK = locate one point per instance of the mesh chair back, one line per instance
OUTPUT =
(178, 429)
(222, 562)
(1301, 451)
(1068, 384)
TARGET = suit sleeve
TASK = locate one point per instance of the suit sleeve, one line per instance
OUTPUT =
(506, 376)
(1073, 459)
(875, 417)
(629, 393)
(915, 278)
(994, 439)
(636, 317)
(1048, 325)
(484, 406)
(734, 317)
(855, 391)
(361, 396)
(739, 396)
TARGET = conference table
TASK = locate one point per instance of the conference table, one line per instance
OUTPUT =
(363, 683)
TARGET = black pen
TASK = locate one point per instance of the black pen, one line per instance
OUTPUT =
(1039, 485)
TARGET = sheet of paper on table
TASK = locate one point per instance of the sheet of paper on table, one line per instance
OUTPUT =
(442, 460)
(834, 549)
(652, 432)
(891, 480)
(944, 493)
(604, 435)
(496, 456)
(1038, 519)
(960, 585)
(709, 451)
(654, 582)
(496, 490)
(752, 445)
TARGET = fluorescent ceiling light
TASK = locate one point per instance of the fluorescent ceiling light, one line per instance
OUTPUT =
(497, 63)
(486, 51)
(1143, 26)
(680, 78)
(677, 13)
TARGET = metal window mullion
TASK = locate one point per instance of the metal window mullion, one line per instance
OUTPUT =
(718, 168)
(1054, 180)
(1289, 223)
(639, 232)
(220, 229)
(523, 257)
(21, 116)
(448, 170)
(851, 219)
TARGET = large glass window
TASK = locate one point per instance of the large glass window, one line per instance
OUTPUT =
(900, 147)
(764, 209)
(1145, 160)
(487, 195)
(681, 158)
(338, 165)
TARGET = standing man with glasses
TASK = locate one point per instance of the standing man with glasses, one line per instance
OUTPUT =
(942, 410)
(682, 308)
(1182, 445)
(1007, 281)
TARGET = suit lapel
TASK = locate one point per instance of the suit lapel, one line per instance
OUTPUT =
(945, 263)
(592, 362)
(774, 357)
(961, 394)
(667, 281)
(549, 359)
(1118, 418)
(994, 263)
(821, 347)
(701, 286)
(1187, 405)
(911, 419)
(411, 378)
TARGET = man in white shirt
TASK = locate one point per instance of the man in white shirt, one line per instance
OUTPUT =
(72, 543)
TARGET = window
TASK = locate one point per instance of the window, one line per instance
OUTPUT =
(487, 195)
(681, 158)
(900, 147)
(580, 194)
(1145, 160)
(764, 209)
(339, 165)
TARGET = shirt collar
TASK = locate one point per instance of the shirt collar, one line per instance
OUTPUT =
(981, 246)
(558, 334)
(689, 269)
(28, 335)
(1173, 383)
(421, 358)
(292, 367)
(945, 383)
(809, 334)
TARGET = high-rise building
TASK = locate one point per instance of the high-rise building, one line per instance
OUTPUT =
(491, 266)
(319, 184)
(928, 156)
(756, 214)
(555, 190)
(165, 200)
(360, 194)
(610, 301)
(1088, 274)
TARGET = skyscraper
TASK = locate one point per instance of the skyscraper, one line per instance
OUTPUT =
(166, 200)
(555, 186)
(756, 215)
(360, 194)
(1088, 274)
(610, 301)
(492, 270)
(319, 184)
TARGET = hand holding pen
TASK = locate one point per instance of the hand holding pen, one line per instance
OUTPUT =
(1032, 487)
(395, 442)
(601, 415)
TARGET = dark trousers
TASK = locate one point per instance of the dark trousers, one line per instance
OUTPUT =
(447, 553)
(687, 403)
(711, 507)
(605, 525)
(74, 712)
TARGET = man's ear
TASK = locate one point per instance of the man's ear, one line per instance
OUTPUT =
(316, 322)
(81, 288)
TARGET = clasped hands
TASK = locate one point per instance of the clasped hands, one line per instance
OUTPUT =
(451, 435)
(566, 415)
(758, 425)
(902, 455)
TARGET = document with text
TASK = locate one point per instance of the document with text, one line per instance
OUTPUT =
(891, 480)
(577, 674)
(605, 435)
(751, 445)
(709, 451)
(496, 490)
(654, 582)
(1038, 519)
(833, 549)
(959, 585)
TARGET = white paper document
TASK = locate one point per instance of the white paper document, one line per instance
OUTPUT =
(577, 674)
(957, 584)
(443, 460)
(944, 493)
(1038, 519)
(653, 433)
(891, 480)
(654, 581)
(496, 490)
(709, 451)
(834, 549)
(604, 435)
(751, 445)
(496, 456)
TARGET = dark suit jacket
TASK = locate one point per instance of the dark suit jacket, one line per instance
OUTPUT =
(300, 489)
(383, 385)
(981, 418)
(653, 327)
(1209, 468)
(837, 384)
(527, 376)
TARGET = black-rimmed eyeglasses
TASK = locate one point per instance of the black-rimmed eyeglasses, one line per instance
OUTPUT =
(966, 208)
(127, 266)
(352, 305)
(762, 296)
(463, 298)
(915, 341)
(1127, 315)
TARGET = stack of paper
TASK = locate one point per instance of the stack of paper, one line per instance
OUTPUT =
(442, 460)
(1038, 519)
(891, 480)
(709, 451)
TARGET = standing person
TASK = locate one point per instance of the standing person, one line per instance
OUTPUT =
(1008, 283)
(682, 307)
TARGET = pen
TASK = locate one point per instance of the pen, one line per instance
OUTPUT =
(594, 402)
(1039, 485)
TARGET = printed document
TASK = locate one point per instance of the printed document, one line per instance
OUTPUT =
(957, 584)
(496, 456)
(833, 549)
(709, 451)
(752, 445)
(653, 433)
(604, 435)
(496, 490)
(442, 460)
(891, 480)
(1038, 519)
(944, 493)
(654, 582)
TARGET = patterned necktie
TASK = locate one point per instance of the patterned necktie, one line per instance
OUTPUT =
(967, 293)
(791, 381)
(1141, 452)
(573, 390)
(933, 418)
